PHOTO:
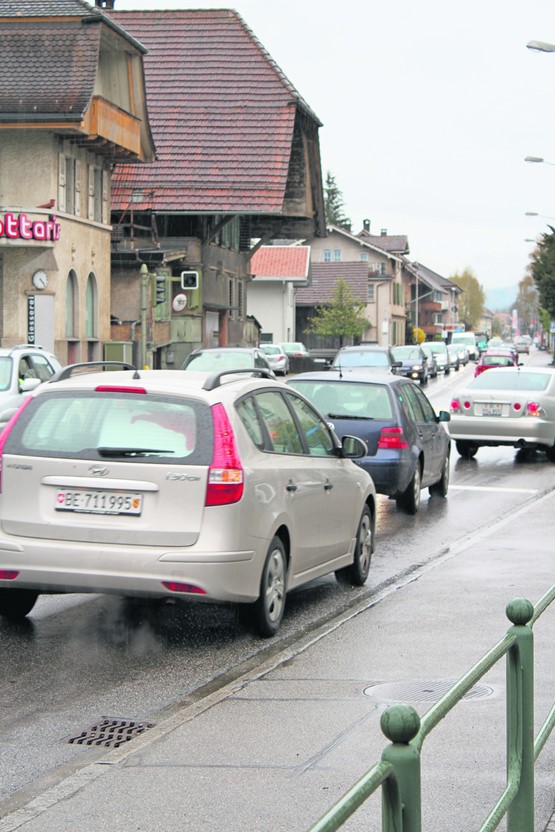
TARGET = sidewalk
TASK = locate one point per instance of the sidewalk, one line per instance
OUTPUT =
(274, 750)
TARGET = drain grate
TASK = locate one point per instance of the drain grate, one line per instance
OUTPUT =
(111, 732)
(424, 691)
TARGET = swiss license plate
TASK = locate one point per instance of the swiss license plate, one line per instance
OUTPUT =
(98, 502)
(492, 410)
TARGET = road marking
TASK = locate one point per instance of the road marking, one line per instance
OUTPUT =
(493, 488)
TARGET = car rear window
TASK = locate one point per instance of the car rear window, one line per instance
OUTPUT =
(348, 399)
(95, 425)
(507, 379)
(220, 361)
(364, 358)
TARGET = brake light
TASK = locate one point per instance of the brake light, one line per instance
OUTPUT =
(534, 409)
(455, 405)
(112, 388)
(392, 439)
(8, 574)
(517, 406)
(6, 431)
(225, 475)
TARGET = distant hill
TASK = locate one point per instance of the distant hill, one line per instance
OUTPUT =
(499, 300)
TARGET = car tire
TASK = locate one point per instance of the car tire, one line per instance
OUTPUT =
(550, 453)
(357, 573)
(15, 604)
(440, 488)
(409, 500)
(466, 449)
(266, 614)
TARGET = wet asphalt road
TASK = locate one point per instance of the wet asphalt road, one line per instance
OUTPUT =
(79, 658)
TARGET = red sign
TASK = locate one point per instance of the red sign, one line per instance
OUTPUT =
(20, 227)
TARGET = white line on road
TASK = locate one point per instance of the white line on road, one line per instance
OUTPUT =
(494, 488)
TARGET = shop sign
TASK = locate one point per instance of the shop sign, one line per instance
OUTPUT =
(30, 319)
(20, 227)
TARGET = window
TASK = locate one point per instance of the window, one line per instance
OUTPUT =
(316, 433)
(91, 308)
(327, 255)
(371, 292)
(337, 255)
(72, 298)
(364, 256)
(239, 299)
(283, 433)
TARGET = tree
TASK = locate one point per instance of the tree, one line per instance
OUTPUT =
(471, 300)
(342, 317)
(526, 305)
(543, 270)
(335, 214)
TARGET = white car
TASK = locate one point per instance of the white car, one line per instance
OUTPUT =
(22, 369)
(175, 484)
(277, 358)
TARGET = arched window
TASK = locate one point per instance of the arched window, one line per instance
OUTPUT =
(91, 308)
(72, 306)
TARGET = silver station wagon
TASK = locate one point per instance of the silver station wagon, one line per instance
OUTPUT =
(216, 487)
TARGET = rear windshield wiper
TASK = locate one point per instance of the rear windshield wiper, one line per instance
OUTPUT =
(133, 451)
(349, 416)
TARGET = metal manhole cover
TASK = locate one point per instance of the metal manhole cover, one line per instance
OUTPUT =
(423, 691)
(111, 732)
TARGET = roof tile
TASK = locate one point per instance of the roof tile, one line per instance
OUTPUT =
(326, 275)
(281, 261)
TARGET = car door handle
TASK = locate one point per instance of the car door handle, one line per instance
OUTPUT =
(328, 485)
(290, 486)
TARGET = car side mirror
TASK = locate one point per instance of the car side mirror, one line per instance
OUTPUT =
(29, 384)
(353, 447)
(444, 416)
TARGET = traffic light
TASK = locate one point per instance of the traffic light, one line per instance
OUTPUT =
(161, 289)
(189, 280)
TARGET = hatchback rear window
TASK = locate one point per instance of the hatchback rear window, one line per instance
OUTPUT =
(348, 400)
(364, 358)
(94, 425)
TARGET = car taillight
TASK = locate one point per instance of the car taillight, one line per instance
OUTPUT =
(534, 409)
(225, 475)
(455, 405)
(6, 431)
(517, 406)
(8, 574)
(176, 586)
(392, 439)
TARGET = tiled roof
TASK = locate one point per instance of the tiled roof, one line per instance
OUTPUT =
(394, 243)
(326, 275)
(46, 8)
(281, 261)
(46, 68)
(222, 116)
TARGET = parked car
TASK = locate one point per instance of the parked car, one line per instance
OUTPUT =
(178, 485)
(215, 359)
(414, 362)
(366, 356)
(295, 349)
(495, 358)
(513, 406)
(408, 447)
(22, 369)
(432, 362)
(454, 359)
(277, 358)
(522, 345)
(439, 349)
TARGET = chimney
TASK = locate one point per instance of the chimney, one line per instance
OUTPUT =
(105, 4)
(383, 232)
(366, 225)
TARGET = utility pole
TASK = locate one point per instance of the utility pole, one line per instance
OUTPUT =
(144, 282)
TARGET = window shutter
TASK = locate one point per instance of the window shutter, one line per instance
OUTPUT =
(105, 193)
(77, 188)
(61, 182)
(91, 192)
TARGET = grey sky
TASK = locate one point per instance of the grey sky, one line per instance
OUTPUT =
(429, 109)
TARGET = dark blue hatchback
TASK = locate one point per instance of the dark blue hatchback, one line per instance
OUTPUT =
(408, 447)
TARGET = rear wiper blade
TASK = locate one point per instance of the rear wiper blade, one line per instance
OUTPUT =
(350, 416)
(133, 451)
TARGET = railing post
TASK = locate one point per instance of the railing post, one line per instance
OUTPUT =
(401, 811)
(520, 715)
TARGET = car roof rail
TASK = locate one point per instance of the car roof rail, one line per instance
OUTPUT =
(27, 347)
(215, 379)
(71, 369)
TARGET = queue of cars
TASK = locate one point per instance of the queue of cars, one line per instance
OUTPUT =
(219, 483)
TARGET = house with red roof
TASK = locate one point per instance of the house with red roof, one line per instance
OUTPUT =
(238, 160)
(72, 105)
(278, 272)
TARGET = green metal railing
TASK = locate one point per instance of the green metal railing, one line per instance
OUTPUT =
(398, 773)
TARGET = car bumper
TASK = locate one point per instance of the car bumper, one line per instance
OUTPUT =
(390, 474)
(49, 566)
(503, 431)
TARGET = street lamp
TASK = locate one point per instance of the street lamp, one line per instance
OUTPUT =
(540, 46)
(538, 159)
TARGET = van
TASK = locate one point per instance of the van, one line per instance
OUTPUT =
(468, 339)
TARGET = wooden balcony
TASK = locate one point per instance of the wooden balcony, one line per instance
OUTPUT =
(106, 124)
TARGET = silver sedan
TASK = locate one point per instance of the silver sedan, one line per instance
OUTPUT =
(513, 406)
